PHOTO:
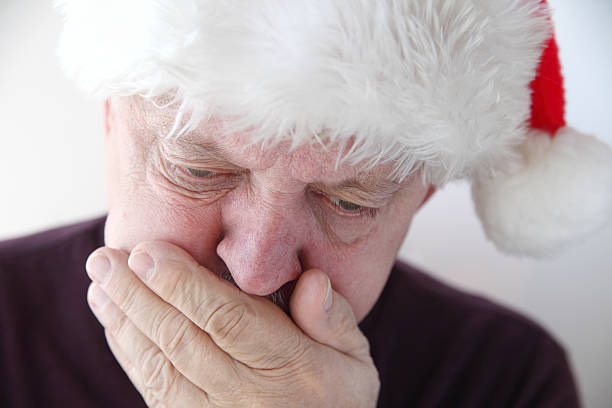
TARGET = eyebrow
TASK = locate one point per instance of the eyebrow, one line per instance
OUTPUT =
(362, 189)
(192, 149)
(203, 147)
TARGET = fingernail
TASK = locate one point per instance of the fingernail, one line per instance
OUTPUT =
(141, 263)
(97, 297)
(99, 268)
(329, 297)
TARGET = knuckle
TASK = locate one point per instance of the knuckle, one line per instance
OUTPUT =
(127, 299)
(173, 333)
(227, 321)
(175, 286)
(298, 356)
(158, 375)
(346, 325)
(171, 287)
(119, 325)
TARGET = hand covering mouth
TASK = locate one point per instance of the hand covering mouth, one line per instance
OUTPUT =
(279, 297)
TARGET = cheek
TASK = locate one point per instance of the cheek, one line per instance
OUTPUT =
(142, 216)
(359, 272)
(140, 210)
(342, 232)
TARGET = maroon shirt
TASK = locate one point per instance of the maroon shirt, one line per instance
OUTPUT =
(434, 346)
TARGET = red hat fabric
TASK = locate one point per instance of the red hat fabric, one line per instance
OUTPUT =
(548, 99)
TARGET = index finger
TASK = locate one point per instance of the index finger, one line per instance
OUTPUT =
(251, 329)
(137, 309)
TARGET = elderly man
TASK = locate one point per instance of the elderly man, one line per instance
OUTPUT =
(264, 162)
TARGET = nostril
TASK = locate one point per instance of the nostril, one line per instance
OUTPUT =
(222, 249)
(257, 275)
(301, 261)
(282, 296)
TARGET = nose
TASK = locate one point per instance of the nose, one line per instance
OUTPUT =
(261, 243)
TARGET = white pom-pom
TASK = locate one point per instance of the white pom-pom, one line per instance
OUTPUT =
(562, 193)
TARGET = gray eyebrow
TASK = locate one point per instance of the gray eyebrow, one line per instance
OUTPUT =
(362, 189)
(378, 188)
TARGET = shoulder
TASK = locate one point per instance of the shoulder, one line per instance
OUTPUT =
(52, 239)
(462, 347)
(49, 241)
(414, 297)
(42, 276)
(44, 269)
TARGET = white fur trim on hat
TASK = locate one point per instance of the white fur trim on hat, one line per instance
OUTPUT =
(561, 194)
(440, 86)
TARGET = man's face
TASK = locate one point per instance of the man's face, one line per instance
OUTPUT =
(263, 216)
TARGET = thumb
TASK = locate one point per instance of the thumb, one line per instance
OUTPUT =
(325, 315)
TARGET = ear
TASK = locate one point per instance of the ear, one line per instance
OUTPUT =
(430, 192)
(108, 117)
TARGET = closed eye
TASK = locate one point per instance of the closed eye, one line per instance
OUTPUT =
(350, 208)
(201, 173)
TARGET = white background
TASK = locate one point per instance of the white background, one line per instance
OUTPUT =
(51, 172)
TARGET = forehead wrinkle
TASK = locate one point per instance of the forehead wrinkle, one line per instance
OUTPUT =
(156, 120)
(209, 137)
(318, 165)
(159, 121)
(198, 144)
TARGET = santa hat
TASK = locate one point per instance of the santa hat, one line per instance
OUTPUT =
(453, 89)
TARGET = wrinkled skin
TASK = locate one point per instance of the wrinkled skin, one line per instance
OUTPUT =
(270, 218)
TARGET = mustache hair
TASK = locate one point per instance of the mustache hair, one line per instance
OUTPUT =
(278, 297)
